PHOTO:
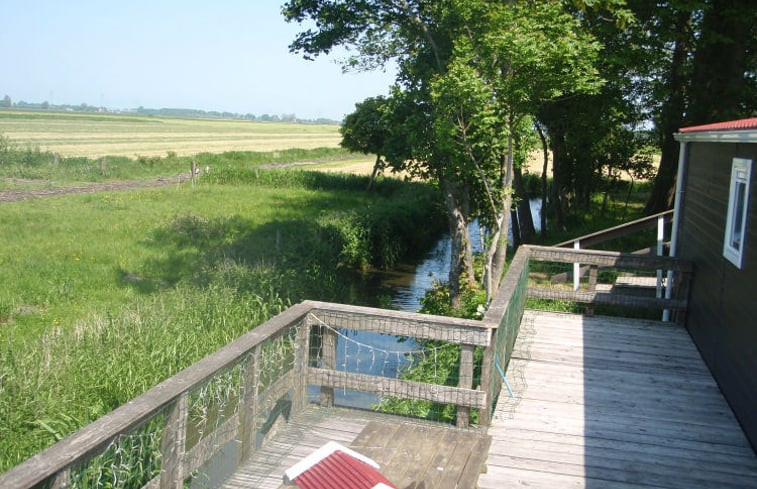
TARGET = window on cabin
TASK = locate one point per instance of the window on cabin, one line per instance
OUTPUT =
(738, 200)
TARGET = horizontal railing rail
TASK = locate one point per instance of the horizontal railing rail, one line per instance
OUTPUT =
(620, 230)
(614, 278)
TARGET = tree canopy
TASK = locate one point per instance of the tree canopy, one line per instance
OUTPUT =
(469, 72)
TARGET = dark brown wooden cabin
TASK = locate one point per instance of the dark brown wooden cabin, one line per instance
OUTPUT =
(716, 229)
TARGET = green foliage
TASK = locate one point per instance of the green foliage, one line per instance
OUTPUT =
(436, 301)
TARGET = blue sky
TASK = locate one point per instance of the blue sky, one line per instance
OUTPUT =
(226, 55)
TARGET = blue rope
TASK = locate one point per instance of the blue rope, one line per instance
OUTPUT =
(502, 374)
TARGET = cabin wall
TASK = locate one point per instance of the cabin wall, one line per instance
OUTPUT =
(722, 315)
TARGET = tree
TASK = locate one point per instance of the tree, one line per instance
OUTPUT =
(6, 102)
(365, 130)
(469, 73)
(709, 75)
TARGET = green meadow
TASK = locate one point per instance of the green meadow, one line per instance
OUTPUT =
(106, 294)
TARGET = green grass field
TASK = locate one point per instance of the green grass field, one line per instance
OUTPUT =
(96, 135)
(106, 294)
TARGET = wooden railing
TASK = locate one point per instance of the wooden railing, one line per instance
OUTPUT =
(639, 271)
(235, 398)
(659, 220)
(262, 378)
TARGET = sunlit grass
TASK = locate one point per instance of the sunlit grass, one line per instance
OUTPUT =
(96, 135)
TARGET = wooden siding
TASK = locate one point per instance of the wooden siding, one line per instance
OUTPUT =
(722, 316)
(612, 403)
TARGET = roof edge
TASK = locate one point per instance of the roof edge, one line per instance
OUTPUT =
(718, 136)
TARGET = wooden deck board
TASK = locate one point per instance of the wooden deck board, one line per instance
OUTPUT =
(412, 453)
(599, 403)
(603, 402)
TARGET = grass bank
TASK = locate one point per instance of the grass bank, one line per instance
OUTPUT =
(110, 293)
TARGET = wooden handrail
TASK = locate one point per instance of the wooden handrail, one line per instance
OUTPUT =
(618, 231)
(56, 462)
(603, 258)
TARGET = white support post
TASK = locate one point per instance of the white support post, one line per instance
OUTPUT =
(660, 240)
(576, 267)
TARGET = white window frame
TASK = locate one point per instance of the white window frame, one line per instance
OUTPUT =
(738, 205)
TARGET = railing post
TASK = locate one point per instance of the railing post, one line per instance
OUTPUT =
(174, 446)
(465, 382)
(328, 361)
(62, 480)
(576, 267)
(249, 409)
(660, 240)
(301, 354)
(593, 269)
(487, 369)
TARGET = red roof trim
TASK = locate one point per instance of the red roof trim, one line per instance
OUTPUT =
(343, 471)
(738, 125)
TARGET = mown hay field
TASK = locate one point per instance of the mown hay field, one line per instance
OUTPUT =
(96, 135)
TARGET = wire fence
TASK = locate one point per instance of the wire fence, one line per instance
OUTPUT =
(399, 364)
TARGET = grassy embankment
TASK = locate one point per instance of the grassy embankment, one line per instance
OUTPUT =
(107, 294)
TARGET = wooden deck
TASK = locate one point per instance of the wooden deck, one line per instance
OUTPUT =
(598, 403)
(413, 454)
(610, 403)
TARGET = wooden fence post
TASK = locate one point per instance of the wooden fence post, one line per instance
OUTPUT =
(465, 382)
(62, 479)
(592, 287)
(248, 423)
(576, 267)
(174, 445)
(328, 360)
(487, 371)
(301, 358)
(103, 166)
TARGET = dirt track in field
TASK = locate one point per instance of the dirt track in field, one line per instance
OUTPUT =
(15, 195)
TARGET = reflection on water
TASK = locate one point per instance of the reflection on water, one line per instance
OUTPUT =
(407, 283)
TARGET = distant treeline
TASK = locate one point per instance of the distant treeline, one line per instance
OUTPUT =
(7, 102)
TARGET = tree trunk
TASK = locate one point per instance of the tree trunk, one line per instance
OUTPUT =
(545, 151)
(470, 274)
(515, 228)
(458, 231)
(525, 218)
(499, 249)
(559, 178)
(376, 167)
(671, 119)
